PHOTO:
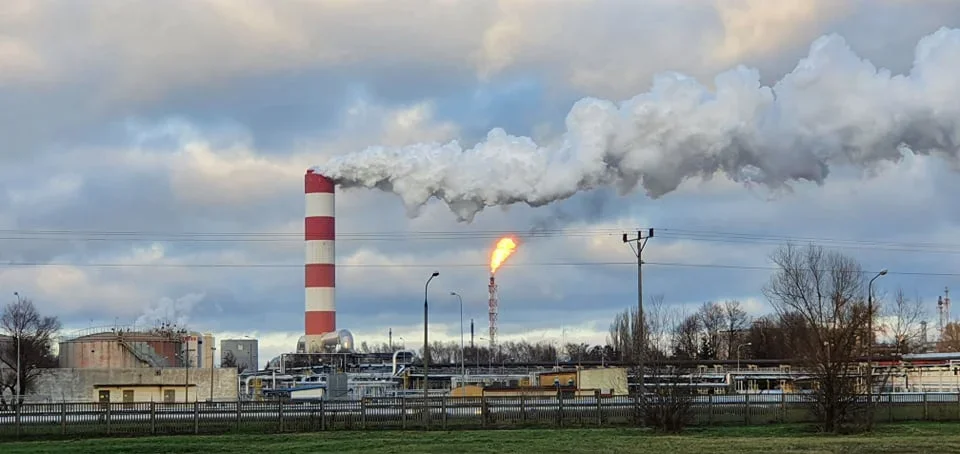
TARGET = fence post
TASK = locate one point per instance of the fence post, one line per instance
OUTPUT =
(196, 417)
(523, 408)
(560, 409)
(280, 414)
(783, 408)
(599, 408)
(239, 409)
(17, 416)
(403, 412)
(63, 418)
(709, 409)
(443, 408)
(746, 408)
(890, 406)
(109, 405)
(323, 415)
(636, 409)
(926, 409)
(153, 418)
(483, 410)
(363, 413)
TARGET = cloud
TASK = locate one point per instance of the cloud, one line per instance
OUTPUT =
(179, 161)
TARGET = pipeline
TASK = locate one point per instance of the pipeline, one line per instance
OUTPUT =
(395, 359)
(341, 340)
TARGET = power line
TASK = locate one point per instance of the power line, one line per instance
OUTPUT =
(459, 235)
(439, 265)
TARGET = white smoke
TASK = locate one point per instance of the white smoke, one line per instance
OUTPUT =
(833, 108)
(168, 310)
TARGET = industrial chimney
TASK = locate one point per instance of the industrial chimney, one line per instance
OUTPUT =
(320, 316)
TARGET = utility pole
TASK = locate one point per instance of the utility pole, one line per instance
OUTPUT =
(641, 241)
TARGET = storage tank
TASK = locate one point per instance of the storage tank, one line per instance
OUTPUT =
(115, 348)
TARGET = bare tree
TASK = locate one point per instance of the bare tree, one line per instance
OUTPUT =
(24, 325)
(230, 360)
(624, 334)
(902, 322)
(950, 338)
(686, 338)
(712, 320)
(823, 291)
(736, 320)
(667, 404)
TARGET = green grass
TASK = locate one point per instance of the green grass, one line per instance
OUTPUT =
(894, 438)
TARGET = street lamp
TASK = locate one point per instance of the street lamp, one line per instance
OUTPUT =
(213, 350)
(738, 355)
(870, 341)
(426, 345)
(19, 335)
(463, 369)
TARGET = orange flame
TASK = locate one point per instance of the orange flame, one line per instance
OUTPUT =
(504, 249)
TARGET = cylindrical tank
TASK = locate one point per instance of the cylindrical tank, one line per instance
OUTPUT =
(121, 349)
(320, 269)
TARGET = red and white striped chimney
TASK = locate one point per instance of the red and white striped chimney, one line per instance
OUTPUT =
(320, 269)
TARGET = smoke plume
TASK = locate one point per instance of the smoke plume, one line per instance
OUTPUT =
(833, 108)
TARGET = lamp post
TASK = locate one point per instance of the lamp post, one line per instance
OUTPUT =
(463, 369)
(426, 345)
(870, 343)
(213, 350)
(738, 354)
(19, 335)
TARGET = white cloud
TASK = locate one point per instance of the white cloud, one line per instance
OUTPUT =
(172, 171)
(590, 44)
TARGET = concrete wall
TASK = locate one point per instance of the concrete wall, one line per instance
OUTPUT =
(611, 380)
(82, 385)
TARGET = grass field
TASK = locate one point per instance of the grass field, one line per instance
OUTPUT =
(894, 438)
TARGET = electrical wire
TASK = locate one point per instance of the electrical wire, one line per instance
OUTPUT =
(459, 235)
(442, 265)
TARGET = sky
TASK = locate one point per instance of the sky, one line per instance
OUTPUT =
(153, 158)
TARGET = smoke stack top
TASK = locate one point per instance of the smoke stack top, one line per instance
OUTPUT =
(833, 108)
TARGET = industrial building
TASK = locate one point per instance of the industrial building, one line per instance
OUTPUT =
(244, 352)
(130, 364)
(178, 384)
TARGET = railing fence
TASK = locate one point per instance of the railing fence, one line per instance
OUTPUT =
(50, 420)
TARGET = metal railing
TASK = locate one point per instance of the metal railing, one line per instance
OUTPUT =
(53, 420)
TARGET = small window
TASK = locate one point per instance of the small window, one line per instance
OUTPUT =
(104, 396)
(169, 395)
(128, 395)
(240, 347)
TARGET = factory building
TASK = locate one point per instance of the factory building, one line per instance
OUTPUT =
(244, 352)
(135, 385)
(125, 364)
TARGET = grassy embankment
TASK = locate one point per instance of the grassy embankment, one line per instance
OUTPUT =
(894, 438)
